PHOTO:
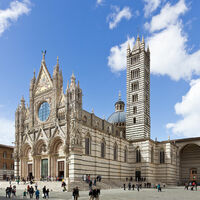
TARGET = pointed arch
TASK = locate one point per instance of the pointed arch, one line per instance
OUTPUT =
(125, 154)
(115, 152)
(138, 155)
(39, 147)
(55, 144)
(152, 154)
(88, 144)
(103, 148)
(26, 149)
(162, 156)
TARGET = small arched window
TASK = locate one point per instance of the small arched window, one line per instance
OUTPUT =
(125, 154)
(152, 155)
(171, 156)
(162, 156)
(103, 149)
(4, 154)
(134, 110)
(87, 145)
(138, 155)
(115, 152)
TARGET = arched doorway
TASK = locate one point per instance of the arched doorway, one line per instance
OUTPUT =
(58, 158)
(26, 162)
(190, 163)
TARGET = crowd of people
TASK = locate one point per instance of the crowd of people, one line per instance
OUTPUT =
(29, 191)
(191, 185)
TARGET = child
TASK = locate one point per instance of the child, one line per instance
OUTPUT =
(24, 194)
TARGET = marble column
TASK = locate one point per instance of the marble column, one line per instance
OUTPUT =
(49, 165)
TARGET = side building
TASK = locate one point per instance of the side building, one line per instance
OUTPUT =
(6, 162)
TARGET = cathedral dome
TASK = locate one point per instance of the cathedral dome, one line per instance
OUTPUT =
(119, 116)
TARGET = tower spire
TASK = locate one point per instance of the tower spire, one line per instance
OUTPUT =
(142, 39)
(57, 60)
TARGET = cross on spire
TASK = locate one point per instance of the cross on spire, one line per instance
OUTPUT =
(43, 55)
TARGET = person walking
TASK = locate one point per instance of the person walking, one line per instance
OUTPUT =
(98, 193)
(124, 186)
(31, 192)
(24, 194)
(37, 194)
(159, 188)
(47, 193)
(91, 196)
(76, 193)
(44, 192)
(13, 192)
(129, 186)
(133, 186)
(36, 185)
(138, 187)
(186, 185)
(7, 192)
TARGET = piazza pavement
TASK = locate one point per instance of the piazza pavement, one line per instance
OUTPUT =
(171, 193)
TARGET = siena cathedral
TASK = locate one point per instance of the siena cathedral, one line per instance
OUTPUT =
(56, 138)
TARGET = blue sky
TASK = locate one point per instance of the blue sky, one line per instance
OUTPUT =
(90, 38)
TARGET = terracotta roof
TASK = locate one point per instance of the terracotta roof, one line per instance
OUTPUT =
(3, 145)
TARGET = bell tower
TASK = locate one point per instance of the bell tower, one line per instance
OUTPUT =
(138, 91)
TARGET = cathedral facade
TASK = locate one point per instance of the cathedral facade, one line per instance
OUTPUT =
(56, 138)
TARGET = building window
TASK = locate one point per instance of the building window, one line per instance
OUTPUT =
(134, 120)
(115, 152)
(134, 110)
(162, 156)
(44, 111)
(152, 155)
(135, 59)
(12, 166)
(138, 156)
(135, 86)
(4, 154)
(135, 73)
(171, 156)
(135, 98)
(103, 149)
(125, 155)
(87, 146)
(4, 166)
(146, 121)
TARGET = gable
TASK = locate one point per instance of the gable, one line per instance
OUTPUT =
(44, 81)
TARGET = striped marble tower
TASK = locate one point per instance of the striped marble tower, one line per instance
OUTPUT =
(138, 91)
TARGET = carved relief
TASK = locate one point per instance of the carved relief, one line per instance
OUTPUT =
(43, 83)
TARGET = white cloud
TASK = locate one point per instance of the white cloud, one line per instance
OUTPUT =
(168, 45)
(7, 131)
(11, 14)
(168, 16)
(117, 57)
(99, 2)
(150, 6)
(189, 110)
(115, 17)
